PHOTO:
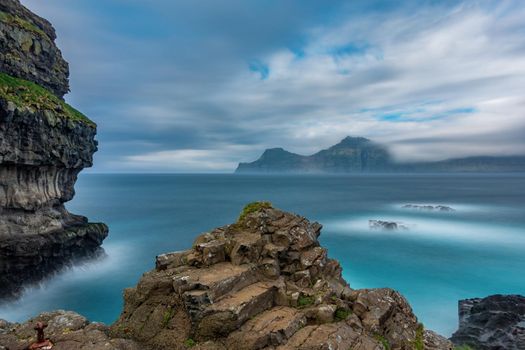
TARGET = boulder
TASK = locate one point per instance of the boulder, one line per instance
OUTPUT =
(491, 323)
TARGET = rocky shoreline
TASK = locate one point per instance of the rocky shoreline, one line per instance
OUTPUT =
(44, 144)
(263, 282)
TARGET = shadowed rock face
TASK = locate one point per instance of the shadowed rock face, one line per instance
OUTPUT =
(42, 150)
(492, 323)
(264, 283)
(27, 48)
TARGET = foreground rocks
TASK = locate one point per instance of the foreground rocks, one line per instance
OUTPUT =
(264, 283)
(44, 144)
(492, 323)
(67, 330)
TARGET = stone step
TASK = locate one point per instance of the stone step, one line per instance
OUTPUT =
(231, 311)
(216, 280)
(330, 336)
(204, 286)
(270, 328)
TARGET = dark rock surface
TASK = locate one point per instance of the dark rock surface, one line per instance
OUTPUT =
(27, 48)
(386, 225)
(360, 155)
(496, 322)
(44, 144)
(428, 207)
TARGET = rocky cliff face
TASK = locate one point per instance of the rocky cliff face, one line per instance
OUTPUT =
(44, 144)
(492, 323)
(27, 48)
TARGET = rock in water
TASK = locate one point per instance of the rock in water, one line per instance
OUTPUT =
(264, 282)
(492, 323)
(44, 144)
(386, 225)
(428, 207)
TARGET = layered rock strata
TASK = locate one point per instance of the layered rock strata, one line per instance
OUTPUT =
(492, 323)
(264, 283)
(44, 144)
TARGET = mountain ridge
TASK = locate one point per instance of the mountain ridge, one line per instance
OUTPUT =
(361, 155)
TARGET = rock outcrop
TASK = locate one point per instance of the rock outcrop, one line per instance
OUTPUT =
(264, 282)
(27, 48)
(66, 329)
(492, 323)
(428, 207)
(44, 144)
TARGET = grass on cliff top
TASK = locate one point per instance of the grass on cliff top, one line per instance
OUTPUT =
(21, 23)
(24, 93)
(252, 208)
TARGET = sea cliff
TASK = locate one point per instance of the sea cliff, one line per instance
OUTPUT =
(44, 144)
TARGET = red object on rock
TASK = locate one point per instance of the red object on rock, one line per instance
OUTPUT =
(41, 342)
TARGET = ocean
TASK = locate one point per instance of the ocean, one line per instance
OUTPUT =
(474, 251)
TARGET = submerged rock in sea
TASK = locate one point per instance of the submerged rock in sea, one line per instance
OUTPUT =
(492, 323)
(428, 207)
(386, 225)
(264, 282)
(44, 144)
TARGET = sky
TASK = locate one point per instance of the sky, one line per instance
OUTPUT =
(200, 85)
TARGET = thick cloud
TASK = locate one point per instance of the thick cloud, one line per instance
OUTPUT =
(200, 85)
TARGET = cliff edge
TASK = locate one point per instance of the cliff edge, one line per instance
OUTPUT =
(44, 144)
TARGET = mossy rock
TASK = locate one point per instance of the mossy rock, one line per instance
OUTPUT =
(24, 93)
(253, 208)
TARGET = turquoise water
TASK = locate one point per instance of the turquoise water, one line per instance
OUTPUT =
(475, 251)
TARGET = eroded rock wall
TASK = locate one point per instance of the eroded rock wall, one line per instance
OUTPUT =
(44, 144)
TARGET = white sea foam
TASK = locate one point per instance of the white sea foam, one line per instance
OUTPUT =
(436, 228)
(43, 296)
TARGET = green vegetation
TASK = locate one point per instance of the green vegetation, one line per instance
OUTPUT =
(304, 301)
(419, 343)
(341, 314)
(383, 341)
(168, 315)
(189, 343)
(252, 208)
(24, 93)
(463, 347)
(21, 23)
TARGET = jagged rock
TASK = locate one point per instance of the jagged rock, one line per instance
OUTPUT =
(67, 330)
(492, 323)
(428, 207)
(386, 225)
(44, 144)
(27, 48)
(264, 283)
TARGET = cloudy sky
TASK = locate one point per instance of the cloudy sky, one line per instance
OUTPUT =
(199, 85)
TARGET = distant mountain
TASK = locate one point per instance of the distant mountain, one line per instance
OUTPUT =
(360, 155)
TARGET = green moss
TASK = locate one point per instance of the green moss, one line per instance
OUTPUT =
(189, 343)
(21, 23)
(304, 301)
(24, 93)
(419, 343)
(252, 208)
(168, 315)
(383, 341)
(341, 314)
